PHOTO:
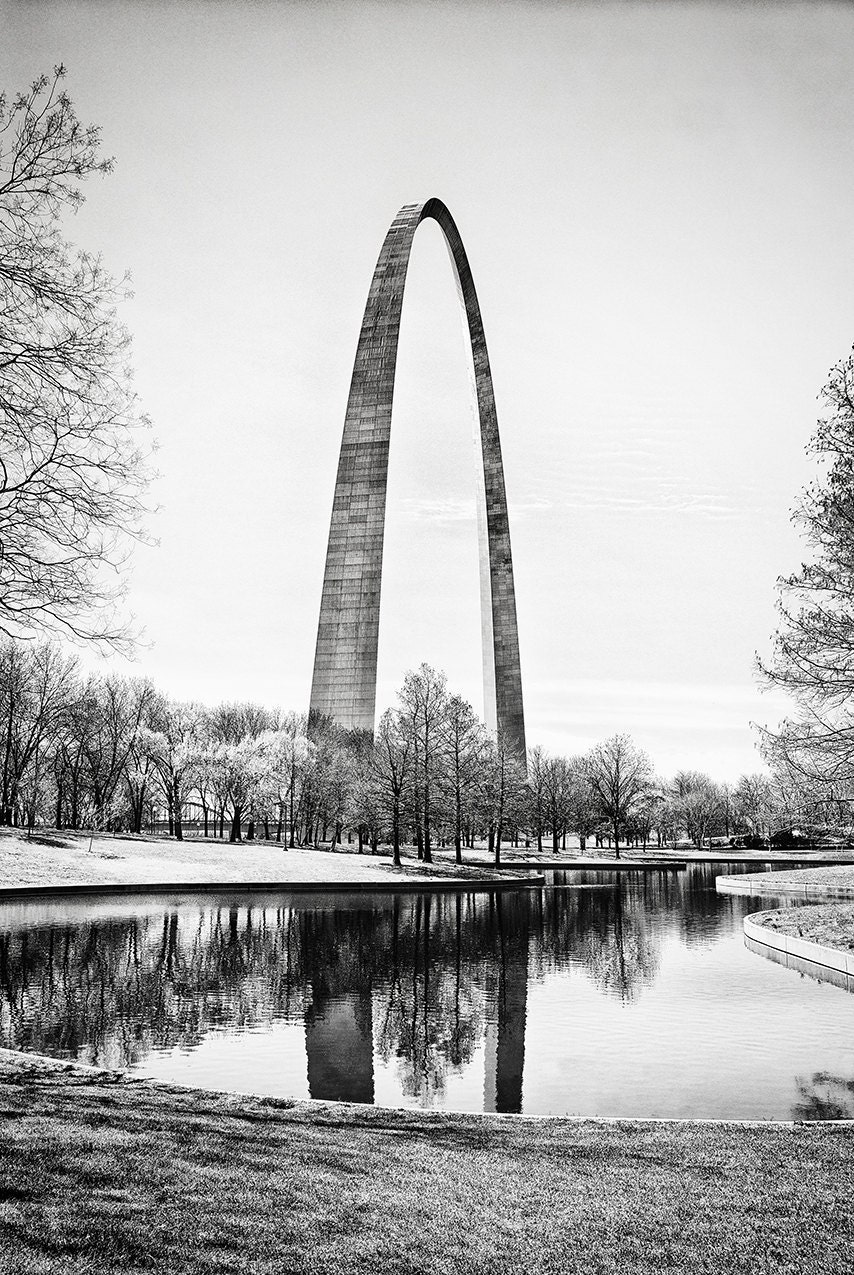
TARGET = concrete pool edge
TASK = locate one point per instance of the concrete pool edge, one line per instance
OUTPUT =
(800, 950)
(23, 1065)
(594, 865)
(765, 884)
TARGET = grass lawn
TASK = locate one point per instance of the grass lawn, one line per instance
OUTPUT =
(831, 924)
(50, 858)
(836, 876)
(101, 1174)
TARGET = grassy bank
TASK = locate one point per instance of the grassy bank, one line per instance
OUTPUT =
(836, 877)
(102, 1174)
(49, 858)
(831, 924)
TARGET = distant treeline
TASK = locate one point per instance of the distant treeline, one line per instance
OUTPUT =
(114, 753)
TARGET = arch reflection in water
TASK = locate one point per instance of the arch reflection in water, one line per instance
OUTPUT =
(634, 999)
(110, 990)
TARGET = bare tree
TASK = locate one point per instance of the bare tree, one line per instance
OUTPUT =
(289, 755)
(37, 686)
(424, 707)
(699, 803)
(753, 802)
(538, 767)
(465, 747)
(172, 745)
(556, 791)
(107, 718)
(579, 802)
(813, 657)
(620, 774)
(391, 763)
(503, 790)
(72, 467)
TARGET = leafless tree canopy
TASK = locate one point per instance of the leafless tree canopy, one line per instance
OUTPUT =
(814, 646)
(72, 463)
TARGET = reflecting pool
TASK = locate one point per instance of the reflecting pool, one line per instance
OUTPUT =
(614, 994)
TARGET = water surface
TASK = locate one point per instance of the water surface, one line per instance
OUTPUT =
(615, 994)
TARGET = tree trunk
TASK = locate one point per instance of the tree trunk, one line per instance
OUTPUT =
(428, 858)
(395, 835)
(176, 803)
(458, 827)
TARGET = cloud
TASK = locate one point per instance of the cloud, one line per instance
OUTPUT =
(646, 469)
(450, 511)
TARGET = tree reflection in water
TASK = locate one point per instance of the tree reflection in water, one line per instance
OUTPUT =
(419, 981)
(824, 1097)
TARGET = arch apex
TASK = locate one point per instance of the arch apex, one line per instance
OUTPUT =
(345, 663)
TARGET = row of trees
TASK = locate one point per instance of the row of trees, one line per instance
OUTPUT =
(114, 753)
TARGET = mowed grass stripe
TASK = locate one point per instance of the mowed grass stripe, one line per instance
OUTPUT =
(99, 1174)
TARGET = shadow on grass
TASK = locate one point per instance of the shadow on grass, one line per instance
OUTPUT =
(54, 840)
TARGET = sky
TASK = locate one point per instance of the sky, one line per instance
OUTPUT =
(656, 203)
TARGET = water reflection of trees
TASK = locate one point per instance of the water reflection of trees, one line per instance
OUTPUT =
(619, 949)
(432, 1001)
(422, 980)
(108, 991)
(824, 1097)
(606, 931)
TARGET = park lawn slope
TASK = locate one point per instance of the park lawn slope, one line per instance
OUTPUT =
(98, 1174)
(58, 859)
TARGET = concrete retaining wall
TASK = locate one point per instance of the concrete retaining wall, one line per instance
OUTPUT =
(830, 964)
(766, 885)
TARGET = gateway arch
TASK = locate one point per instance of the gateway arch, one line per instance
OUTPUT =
(345, 663)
